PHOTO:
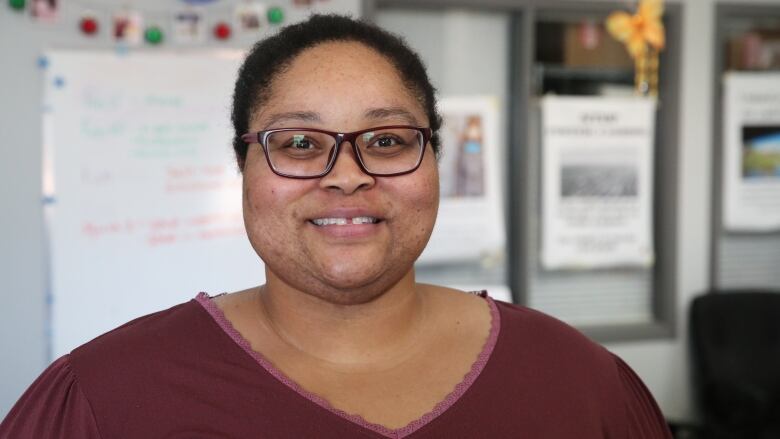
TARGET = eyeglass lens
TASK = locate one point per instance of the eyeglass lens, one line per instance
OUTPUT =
(308, 153)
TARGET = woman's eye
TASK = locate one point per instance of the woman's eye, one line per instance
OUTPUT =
(386, 142)
(301, 143)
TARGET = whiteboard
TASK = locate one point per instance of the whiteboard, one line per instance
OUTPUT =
(143, 196)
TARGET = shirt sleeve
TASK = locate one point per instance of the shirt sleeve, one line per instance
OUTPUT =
(54, 407)
(644, 418)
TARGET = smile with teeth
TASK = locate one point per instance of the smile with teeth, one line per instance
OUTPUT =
(345, 221)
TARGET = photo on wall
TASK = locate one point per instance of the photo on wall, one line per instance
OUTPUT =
(761, 152)
(250, 16)
(44, 10)
(462, 165)
(751, 151)
(598, 181)
(189, 26)
(128, 27)
(469, 174)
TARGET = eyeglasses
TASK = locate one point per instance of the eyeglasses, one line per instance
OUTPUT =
(310, 153)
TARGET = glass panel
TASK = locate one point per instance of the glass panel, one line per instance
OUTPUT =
(579, 57)
(752, 43)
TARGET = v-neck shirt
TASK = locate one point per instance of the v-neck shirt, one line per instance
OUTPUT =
(187, 373)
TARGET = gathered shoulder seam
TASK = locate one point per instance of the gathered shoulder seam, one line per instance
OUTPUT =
(80, 390)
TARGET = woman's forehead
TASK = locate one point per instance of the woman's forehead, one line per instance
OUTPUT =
(337, 78)
(328, 65)
(375, 115)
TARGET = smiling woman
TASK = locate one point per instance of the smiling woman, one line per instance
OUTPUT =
(335, 133)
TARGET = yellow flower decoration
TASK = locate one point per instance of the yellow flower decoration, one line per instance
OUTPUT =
(638, 30)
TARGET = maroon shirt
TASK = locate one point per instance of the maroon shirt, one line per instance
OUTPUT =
(186, 373)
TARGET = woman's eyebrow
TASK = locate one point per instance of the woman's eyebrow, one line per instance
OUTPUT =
(301, 116)
(384, 113)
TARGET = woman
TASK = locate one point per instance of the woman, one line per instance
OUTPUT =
(336, 137)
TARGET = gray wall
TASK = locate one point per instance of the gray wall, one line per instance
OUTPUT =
(22, 264)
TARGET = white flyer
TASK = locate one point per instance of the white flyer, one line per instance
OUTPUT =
(597, 156)
(470, 225)
(751, 151)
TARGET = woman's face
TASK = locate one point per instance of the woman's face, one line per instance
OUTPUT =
(344, 87)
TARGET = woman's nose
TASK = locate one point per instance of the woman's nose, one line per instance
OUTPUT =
(346, 173)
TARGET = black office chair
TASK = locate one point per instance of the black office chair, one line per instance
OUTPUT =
(735, 342)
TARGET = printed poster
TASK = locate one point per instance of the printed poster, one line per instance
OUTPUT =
(470, 225)
(751, 151)
(189, 26)
(44, 10)
(128, 27)
(250, 16)
(597, 156)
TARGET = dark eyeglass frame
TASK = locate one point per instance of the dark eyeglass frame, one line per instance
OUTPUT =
(261, 137)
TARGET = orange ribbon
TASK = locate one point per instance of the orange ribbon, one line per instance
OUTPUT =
(639, 30)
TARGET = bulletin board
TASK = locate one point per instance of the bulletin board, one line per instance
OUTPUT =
(143, 195)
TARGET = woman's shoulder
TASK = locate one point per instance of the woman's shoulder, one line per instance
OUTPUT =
(520, 328)
(158, 331)
(54, 406)
(537, 328)
(558, 360)
(124, 361)
(524, 327)
(149, 350)
(529, 335)
(153, 364)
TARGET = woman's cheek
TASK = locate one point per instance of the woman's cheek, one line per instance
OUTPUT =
(430, 191)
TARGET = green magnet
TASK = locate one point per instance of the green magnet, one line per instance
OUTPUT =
(17, 4)
(275, 15)
(153, 35)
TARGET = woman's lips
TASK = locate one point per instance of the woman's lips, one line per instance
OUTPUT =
(345, 221)
(342, 227)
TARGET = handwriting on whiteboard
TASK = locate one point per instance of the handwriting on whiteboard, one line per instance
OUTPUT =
(159, 231)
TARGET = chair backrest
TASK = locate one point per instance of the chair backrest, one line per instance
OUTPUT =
(735, 341)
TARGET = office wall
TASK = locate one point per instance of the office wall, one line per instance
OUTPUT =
(662, 364)
(22, 263)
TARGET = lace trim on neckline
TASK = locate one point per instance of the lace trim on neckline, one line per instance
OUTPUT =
(395, 433)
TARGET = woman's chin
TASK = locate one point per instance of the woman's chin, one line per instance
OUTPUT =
(345, 276)
(357, 283)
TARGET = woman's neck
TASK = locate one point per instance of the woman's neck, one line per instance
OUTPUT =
(346, 337)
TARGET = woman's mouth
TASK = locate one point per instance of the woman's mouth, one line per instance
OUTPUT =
(344, 221)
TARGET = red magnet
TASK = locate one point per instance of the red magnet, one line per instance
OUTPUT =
(89, 25)
(222, 31)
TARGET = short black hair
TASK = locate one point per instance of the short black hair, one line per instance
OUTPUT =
(272, 55)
